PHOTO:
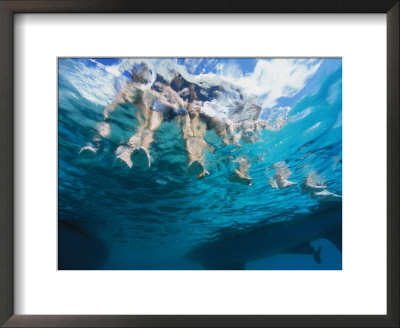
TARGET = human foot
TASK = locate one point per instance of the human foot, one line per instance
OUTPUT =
(124, 155)
(242, 179)
(327, 196)
(284, 183)
(140, 157)
(203, 174)
(196, 168)
(88, 152)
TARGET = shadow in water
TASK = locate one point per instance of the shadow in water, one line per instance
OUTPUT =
(77, 250)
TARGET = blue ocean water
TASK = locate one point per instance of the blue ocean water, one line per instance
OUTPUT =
(115, 217)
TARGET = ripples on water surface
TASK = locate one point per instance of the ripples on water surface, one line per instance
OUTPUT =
(115, 217)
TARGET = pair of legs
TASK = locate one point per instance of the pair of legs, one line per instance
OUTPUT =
(138, 146)
(193, 131)
(137, 149)
(147, 126)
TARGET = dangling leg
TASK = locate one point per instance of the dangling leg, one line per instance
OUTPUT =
(193, 132)
(137, 154)
(136, 140)
(195, 147)
(156, 119)
(241, 174)
(282, 176)
(142, 141)
(123, 152)
(140, 155)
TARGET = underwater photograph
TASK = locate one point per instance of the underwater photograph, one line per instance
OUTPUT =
(199, 163)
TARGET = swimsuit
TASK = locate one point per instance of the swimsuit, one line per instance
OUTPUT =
(169, 112)
(158, 106)
(181, 111)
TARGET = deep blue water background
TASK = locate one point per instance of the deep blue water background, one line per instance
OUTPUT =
(114, 217)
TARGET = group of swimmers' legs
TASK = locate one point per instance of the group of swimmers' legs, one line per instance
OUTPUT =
(313, 184)
(152, 106)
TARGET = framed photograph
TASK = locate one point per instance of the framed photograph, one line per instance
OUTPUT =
(199, 164)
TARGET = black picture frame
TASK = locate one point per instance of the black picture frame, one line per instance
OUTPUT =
(10, 7)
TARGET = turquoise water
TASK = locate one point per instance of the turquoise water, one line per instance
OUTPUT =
(115, 217)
